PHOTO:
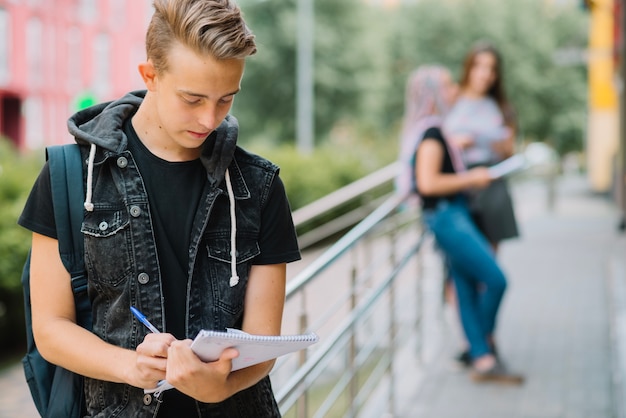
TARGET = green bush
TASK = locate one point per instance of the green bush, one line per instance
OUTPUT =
(310, 177)
(17, 174)
(328, 168)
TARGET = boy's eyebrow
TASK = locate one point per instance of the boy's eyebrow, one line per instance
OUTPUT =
(204, 96)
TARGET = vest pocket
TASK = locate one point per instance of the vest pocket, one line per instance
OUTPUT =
(230, 298)
(107, 245)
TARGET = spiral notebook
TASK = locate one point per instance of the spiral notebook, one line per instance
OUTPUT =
(253, 349)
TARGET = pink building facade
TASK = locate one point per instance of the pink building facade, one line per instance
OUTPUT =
(57, 54)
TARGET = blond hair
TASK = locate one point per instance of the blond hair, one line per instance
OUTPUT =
(214, 27)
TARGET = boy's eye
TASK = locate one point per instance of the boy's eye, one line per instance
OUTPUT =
(190, 100)
(227, 99)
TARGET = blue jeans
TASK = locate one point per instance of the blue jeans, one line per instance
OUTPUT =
(479, 281)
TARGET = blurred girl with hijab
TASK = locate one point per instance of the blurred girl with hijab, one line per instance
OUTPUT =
(442, 183)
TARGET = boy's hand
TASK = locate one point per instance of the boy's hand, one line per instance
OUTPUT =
(151, 360)
(205, 382)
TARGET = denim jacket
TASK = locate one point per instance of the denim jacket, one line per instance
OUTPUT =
(121, 257)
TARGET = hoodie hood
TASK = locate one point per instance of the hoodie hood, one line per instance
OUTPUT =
(101, 125)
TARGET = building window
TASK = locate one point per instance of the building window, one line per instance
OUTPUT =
(149, 8)
(137, 55)
(102, 65)
(88, 10)
(117, 14)
(34, 52)
(33, 113)
(74, 59)
(5, 44)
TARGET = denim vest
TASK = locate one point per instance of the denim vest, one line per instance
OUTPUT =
(123, 270)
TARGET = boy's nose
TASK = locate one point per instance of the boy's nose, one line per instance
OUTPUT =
(208, 118)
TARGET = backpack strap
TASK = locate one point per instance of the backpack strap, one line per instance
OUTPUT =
(66, 182)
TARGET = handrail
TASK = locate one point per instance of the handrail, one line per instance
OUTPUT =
(343, 244)
(345, 194)
(346, 324)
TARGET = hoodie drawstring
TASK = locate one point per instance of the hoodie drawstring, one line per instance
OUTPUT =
(92, 155)
(234, 279)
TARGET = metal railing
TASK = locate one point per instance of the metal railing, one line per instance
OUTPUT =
(365, 191)
(363, 296)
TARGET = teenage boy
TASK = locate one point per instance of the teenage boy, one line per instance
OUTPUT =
(179, 222)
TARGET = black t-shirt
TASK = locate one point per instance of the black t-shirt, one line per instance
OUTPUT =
(430, 202)
(174, 190)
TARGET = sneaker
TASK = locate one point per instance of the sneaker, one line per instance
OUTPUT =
(464, 359)
(497, 374)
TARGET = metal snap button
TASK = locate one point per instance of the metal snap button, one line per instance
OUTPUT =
(103, 226)
(122, 162)
(135, 211)
(147, 399)
(143, 278)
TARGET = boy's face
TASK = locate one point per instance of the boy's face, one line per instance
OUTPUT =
(192, 97)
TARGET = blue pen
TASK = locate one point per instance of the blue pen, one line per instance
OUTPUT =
(142, 318)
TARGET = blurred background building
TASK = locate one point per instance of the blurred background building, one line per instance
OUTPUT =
(57, 56)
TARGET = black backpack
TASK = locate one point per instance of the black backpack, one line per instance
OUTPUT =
(56, 391)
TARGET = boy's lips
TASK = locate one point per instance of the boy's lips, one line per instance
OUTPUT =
(199, 135)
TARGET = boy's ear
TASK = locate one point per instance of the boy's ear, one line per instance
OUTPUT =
(148, 74)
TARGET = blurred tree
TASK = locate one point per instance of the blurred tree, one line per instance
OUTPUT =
(342, 65)
(547, 94)
(364, 54)
(267, 100)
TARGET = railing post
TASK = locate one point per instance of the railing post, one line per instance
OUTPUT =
(303, 400)
(550, 180)
(353, 387)
(392, 327)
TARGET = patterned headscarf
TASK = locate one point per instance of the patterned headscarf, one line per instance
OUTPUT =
(425, 106)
